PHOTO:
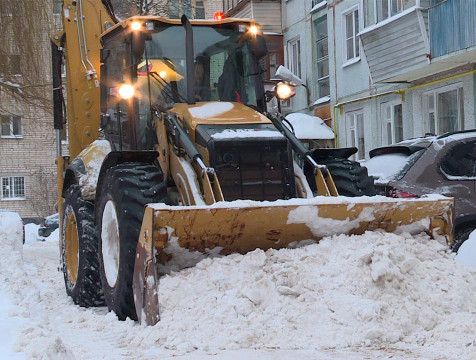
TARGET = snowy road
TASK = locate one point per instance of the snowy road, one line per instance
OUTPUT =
(374, 296)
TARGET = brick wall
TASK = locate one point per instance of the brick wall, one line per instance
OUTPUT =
(33, 155)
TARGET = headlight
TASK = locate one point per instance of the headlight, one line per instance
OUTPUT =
(284, 91)
(126, 91)
(135, 25)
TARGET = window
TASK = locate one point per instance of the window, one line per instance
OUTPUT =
(199, 10)
(322, 56)
(355, 133)
(460, 162)
(10, 64)
(11, 126)
(351, 29)
(379, 10)
(294, 56)
(194, 9)
(444, 109)
(392, 123)
(13, 188)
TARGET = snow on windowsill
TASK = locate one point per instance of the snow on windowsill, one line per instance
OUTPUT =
(12, 136)
(322, 100)
(389, 20)
(13, 199)
(319, 6)
(350, 62)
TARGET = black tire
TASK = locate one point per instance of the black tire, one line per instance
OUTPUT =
(350, 177)
(129, 187)
(82, 280)
(461, 235)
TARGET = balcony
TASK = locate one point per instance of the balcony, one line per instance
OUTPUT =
(397, 46)
(452, 27)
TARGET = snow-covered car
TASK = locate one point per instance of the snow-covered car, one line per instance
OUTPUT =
(50, 224)
(443, 165)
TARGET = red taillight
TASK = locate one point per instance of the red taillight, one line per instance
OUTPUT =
(395, 193)
(219, 16)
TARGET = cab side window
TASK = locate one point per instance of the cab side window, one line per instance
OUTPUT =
(460, 162)
(114, 109)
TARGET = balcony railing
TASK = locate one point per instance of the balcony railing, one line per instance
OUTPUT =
(452, 26)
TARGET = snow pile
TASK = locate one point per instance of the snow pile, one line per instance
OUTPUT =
(247, 133)
(376, 288)
(210, 110)
(467, 251)
(309, 127)
(11, 232)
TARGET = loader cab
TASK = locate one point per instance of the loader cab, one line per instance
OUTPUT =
(153, 61)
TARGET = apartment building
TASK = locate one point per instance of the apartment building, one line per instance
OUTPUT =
(27, 138)
(401, 69)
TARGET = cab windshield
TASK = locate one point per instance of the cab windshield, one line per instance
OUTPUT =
(224, 68)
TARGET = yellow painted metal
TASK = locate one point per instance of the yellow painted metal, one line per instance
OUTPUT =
(72, 247)
(321, 184)
(235, 114)
(201, 231)
(83, 93)
(143, 19)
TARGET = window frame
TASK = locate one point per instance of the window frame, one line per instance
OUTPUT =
(351, 119)
(11, 179)
(385, 120)
(355, 32)
(321, 59)
(290, 61)
(427, 111)
(12, 135)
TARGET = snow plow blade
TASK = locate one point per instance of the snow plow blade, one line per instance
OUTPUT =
(173, 238)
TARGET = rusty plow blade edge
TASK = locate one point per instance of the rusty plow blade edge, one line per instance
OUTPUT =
(173, 238)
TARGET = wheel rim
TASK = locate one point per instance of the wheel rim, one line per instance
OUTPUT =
(110, 243)
(72, 247)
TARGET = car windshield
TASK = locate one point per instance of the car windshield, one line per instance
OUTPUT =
(224, 67)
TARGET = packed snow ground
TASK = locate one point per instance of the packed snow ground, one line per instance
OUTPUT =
(349, 297)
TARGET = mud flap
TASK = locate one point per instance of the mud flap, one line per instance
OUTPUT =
(183, 236)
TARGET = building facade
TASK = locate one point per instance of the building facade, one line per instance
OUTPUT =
(383, 70)
(401, 69)
(27, 139)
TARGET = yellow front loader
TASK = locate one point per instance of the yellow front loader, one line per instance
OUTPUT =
(173, 157)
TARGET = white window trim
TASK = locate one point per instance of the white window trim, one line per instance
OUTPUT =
(356, 35)
(383, 121)
(290, 62)
(349, 128)
(12, 176)
(20, 136)
(435, 92)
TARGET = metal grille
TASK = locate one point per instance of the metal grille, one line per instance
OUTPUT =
(253, 171)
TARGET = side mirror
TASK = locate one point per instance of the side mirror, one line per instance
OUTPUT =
(287, 75)
(258, 47)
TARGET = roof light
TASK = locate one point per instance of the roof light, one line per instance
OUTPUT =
(126, 91)
(219, 15)
(163, 74)
(136, 25)
(253, 29)
(284, 91)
